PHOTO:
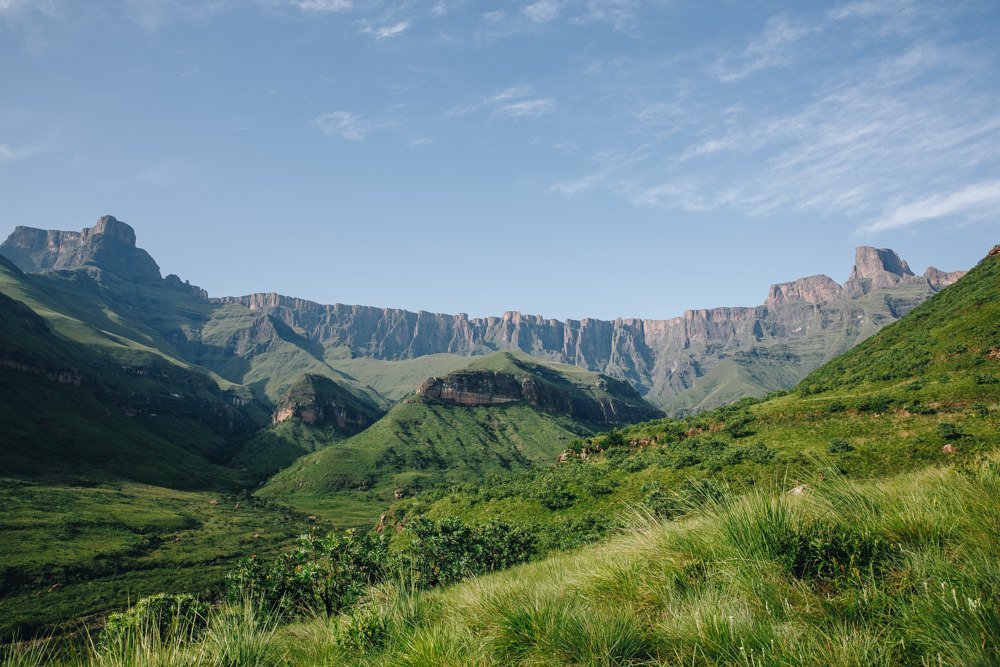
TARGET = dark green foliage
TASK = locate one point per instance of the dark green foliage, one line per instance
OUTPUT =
(366, 632)
(948, 431)
(443, 552)
(836, 406)
(163, 616)
(824, 550)
(839, 446)
(980, 409)
(573, 533)
(322, 574)
(760, 453)
(876, 403)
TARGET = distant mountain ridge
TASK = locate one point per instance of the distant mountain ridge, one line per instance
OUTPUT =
(664, 358)
(701, 359)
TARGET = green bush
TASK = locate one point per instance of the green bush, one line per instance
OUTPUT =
(839, 446)
(692, 494)
(446, 551)
(322, 574)
(166, 617)
(876, 403)
(948, 431)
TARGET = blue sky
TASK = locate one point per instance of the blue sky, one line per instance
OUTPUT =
(602, 158)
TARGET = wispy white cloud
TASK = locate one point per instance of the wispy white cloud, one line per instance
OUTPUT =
(387, 31)
(343, 124)
(972, 199)
(912, 120)
(621, 15)
(525, 108)
(323, 6)
(9, 153)
(501, 96)
(770, 49)
(542, 11)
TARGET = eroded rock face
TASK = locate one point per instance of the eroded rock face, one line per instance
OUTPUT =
(814, 289)
(109, 244)
(663, 358)
(608, 401)
(320, 401)
(876, 268)
(940, 279)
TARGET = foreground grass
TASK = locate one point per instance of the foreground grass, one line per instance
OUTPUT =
(902, 571)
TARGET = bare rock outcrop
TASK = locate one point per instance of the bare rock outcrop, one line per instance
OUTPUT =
(109, 245)
(940, 279)
(876, 268)
(814, 289)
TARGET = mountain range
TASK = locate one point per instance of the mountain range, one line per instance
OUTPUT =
(701, 359)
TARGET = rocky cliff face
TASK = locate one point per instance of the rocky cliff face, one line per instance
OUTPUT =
(814, 289)
(940, 279)
(876, 268)
(812, 319)
(109, 244)
(604, 401)
(320, 401)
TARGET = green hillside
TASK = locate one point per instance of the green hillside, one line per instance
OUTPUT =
(313, 413)
(425, 442)
(930, 381)
(72, 412)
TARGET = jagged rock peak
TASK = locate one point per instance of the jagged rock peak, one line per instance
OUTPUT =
(812, 289)
(111, 226)
(940, 279)
(108, 245)
(876, 268)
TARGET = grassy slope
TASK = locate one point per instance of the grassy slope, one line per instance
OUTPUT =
(69, 551)
(933, 367)
(418, 444)
(394, 379)
(900, 571)
(422, 443)
(62, 412)
(278, 446)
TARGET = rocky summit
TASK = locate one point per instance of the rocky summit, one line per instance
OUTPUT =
(109, 245)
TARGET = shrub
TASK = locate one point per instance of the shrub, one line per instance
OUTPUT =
(760, 453)
(555, 496)
(693, 493)
(836, 406)
(839, 446)
(446, 551)
(876, 403)
(948, 431)
(163, 616)
(322, 574)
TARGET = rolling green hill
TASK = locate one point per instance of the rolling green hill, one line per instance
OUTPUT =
(460, 428)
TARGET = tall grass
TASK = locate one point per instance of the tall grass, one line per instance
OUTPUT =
(902, 571)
